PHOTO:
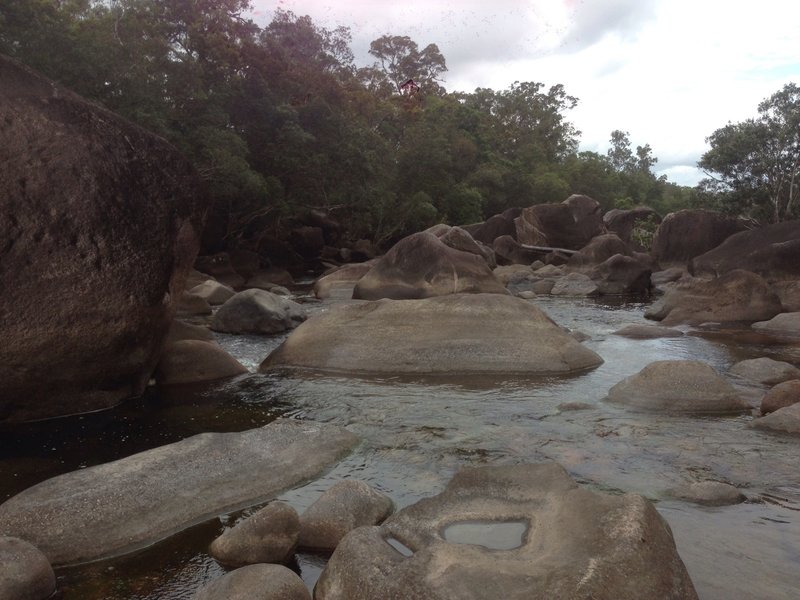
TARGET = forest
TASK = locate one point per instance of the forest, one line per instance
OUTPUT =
(280, 121)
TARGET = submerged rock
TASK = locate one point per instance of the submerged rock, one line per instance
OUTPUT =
(256, 582)
(709, 493)
(765, 370)
(268, 536)
(257, 311)
(25, 573)
(453, 334)
(678, 386)
(130, 503)
(512, 532)
(192, 361)
(648, 332)
(782, 395)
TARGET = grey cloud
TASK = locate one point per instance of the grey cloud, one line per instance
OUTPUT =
(594, 19)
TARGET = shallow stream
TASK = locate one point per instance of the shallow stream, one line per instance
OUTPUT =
(417, 433)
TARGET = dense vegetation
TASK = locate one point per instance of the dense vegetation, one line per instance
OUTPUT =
(280, 121)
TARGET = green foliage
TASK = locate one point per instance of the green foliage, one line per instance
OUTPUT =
(644, 231)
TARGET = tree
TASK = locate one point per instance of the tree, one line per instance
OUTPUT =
(400, 59)
(753, 167)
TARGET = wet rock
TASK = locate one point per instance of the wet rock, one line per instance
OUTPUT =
(100, 222)
(782, 395)
(192, 361)
(454, 334)
(268, 536)
(574, 284)
(421, 266)
(512, 532)
(688, 233)
(25, 573)
(570, 224)
(191, 304)
(220, 267)
(133, 502)
(256, 582)
(266, 279)
(179, 331)
(738, 296)
(343, 507)
(257, 311)
(783, 420)
(709, 493)
(527, 295)
(678, 386)
(340, 283)
(648, 332)
(574, 406)
(213, 292)
(765, 370)
(784, 323)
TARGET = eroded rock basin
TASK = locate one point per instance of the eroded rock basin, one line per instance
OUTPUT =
(417, 434)
(494, 535)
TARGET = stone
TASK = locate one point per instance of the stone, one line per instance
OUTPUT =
(623, 221)
(765, 370)
(789, 294)
(771, 251)
(782, 395)
(738, 296)
(527, 295)
(257, 311)
(709, 493)
(459, 239)
(266, 279)
(421, 266)
(213, 292)
(783, 324)
(549, 271)
(220, 267)
(192, 361)
(268, 536)
(509, 251)
(512, 532)
(191, 305)
(25, 573)
(100, 222)
(678, 386)
(307, 241)
(340, 283)
(195, 278)
(494, 227)
(598, 250)
(454, 334)
(131, 503)
(363, 250)
(620, 275)
(245, 262)
(343, 507)
(570, 224)
(688, 233)
(574, 284)
(783, 420)
(648, 332)
(508, 273)
(256, 582)
(179, 330)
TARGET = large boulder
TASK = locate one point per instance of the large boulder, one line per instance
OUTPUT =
(620, 275)
(738, 296)
(220, 267)
(257, 311)
(789, 293)
(421, 266)
(570, 224)
(786, 324)
(256, 582)
(678, 386)
(765, 370)
(575, 284)
(459, 239)
(496, 226)
(192, 361)
(772, 251)
(454, 334)
(783, 420)
(25, 573)
(99, 222)
(782, 395)
(213, 292)
(709, 493)
(510, 252)
(340, 283)
(512, 532)
(688, 233)
(130, 503)
(623, 221)
(599, 249)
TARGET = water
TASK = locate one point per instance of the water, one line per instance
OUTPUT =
(417, 433)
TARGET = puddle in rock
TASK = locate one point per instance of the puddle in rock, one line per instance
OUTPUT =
(495, 535)
(400, 547)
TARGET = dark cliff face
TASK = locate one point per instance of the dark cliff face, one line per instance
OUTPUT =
(99, 225)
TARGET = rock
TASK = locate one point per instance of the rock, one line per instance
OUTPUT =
(257, 311)
(783, 420)
(268, 536)
(782, 395)
(738, 296)
(574, 406)
(543, 287)
(784, 323)
(213, 292)
(648, 332)
(459, 239)
(765, 370)
(256, 582)
(195, 278)
(363, 250)
(574, 284)
(620, 275)
(192, 361)
(340, 283)
(549, 271)
(509, 252)
(688, 233)
(496, 226)
(528, 295)
(100, 223)
(307, 241)
(342, 508)
(25, 573)
(678, 386)
(508, 273)
(279, 290)
(571, 224)
(667, 275)
(512, 532)
(789, 293)
(125, 505)
(245, 262)
(331, 228)
(179, 331)
(219, 265)
(597, 251)
(266, 279)
(623, 221)
(454, 334)
(771, 251)
(709, 493)
(191, 304)
(421, 266)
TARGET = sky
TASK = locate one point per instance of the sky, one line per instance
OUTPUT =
(669, 72)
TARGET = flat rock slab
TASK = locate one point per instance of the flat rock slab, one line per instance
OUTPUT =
(128, 504)
(452, 334)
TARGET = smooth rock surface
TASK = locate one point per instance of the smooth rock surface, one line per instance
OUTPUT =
(213, 292)
(678, 386)
(570, 224)
(180, 330)
(574, 284)
(256, 582)
(784, 324)
(688, 233)
(528, 533)
(257, 311)
(783, 420)
(709, 493)
(341, 281)
(268, 536)
(765, 370)
(343, 507)
(25, 573)
(127, 504)
(782, 395)
(192, 361)
(454, 334)
(648, 332)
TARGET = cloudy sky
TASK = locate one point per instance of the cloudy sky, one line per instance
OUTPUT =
(670, 72)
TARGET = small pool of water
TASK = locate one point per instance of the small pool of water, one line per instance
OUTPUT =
(495, 535)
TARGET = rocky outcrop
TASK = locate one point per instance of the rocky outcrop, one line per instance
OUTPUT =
(782, 395)
(193, 361)
(268, 536)
(623, 221)
(422, 266)
(256, 582)
(25, 573)
(570, 224)
(130, 503)
(496, 226)
(453, 334)
(678, 386)
(688, 233)
(765, 370)
(513, 532)
(100, 223)
(257, 311)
